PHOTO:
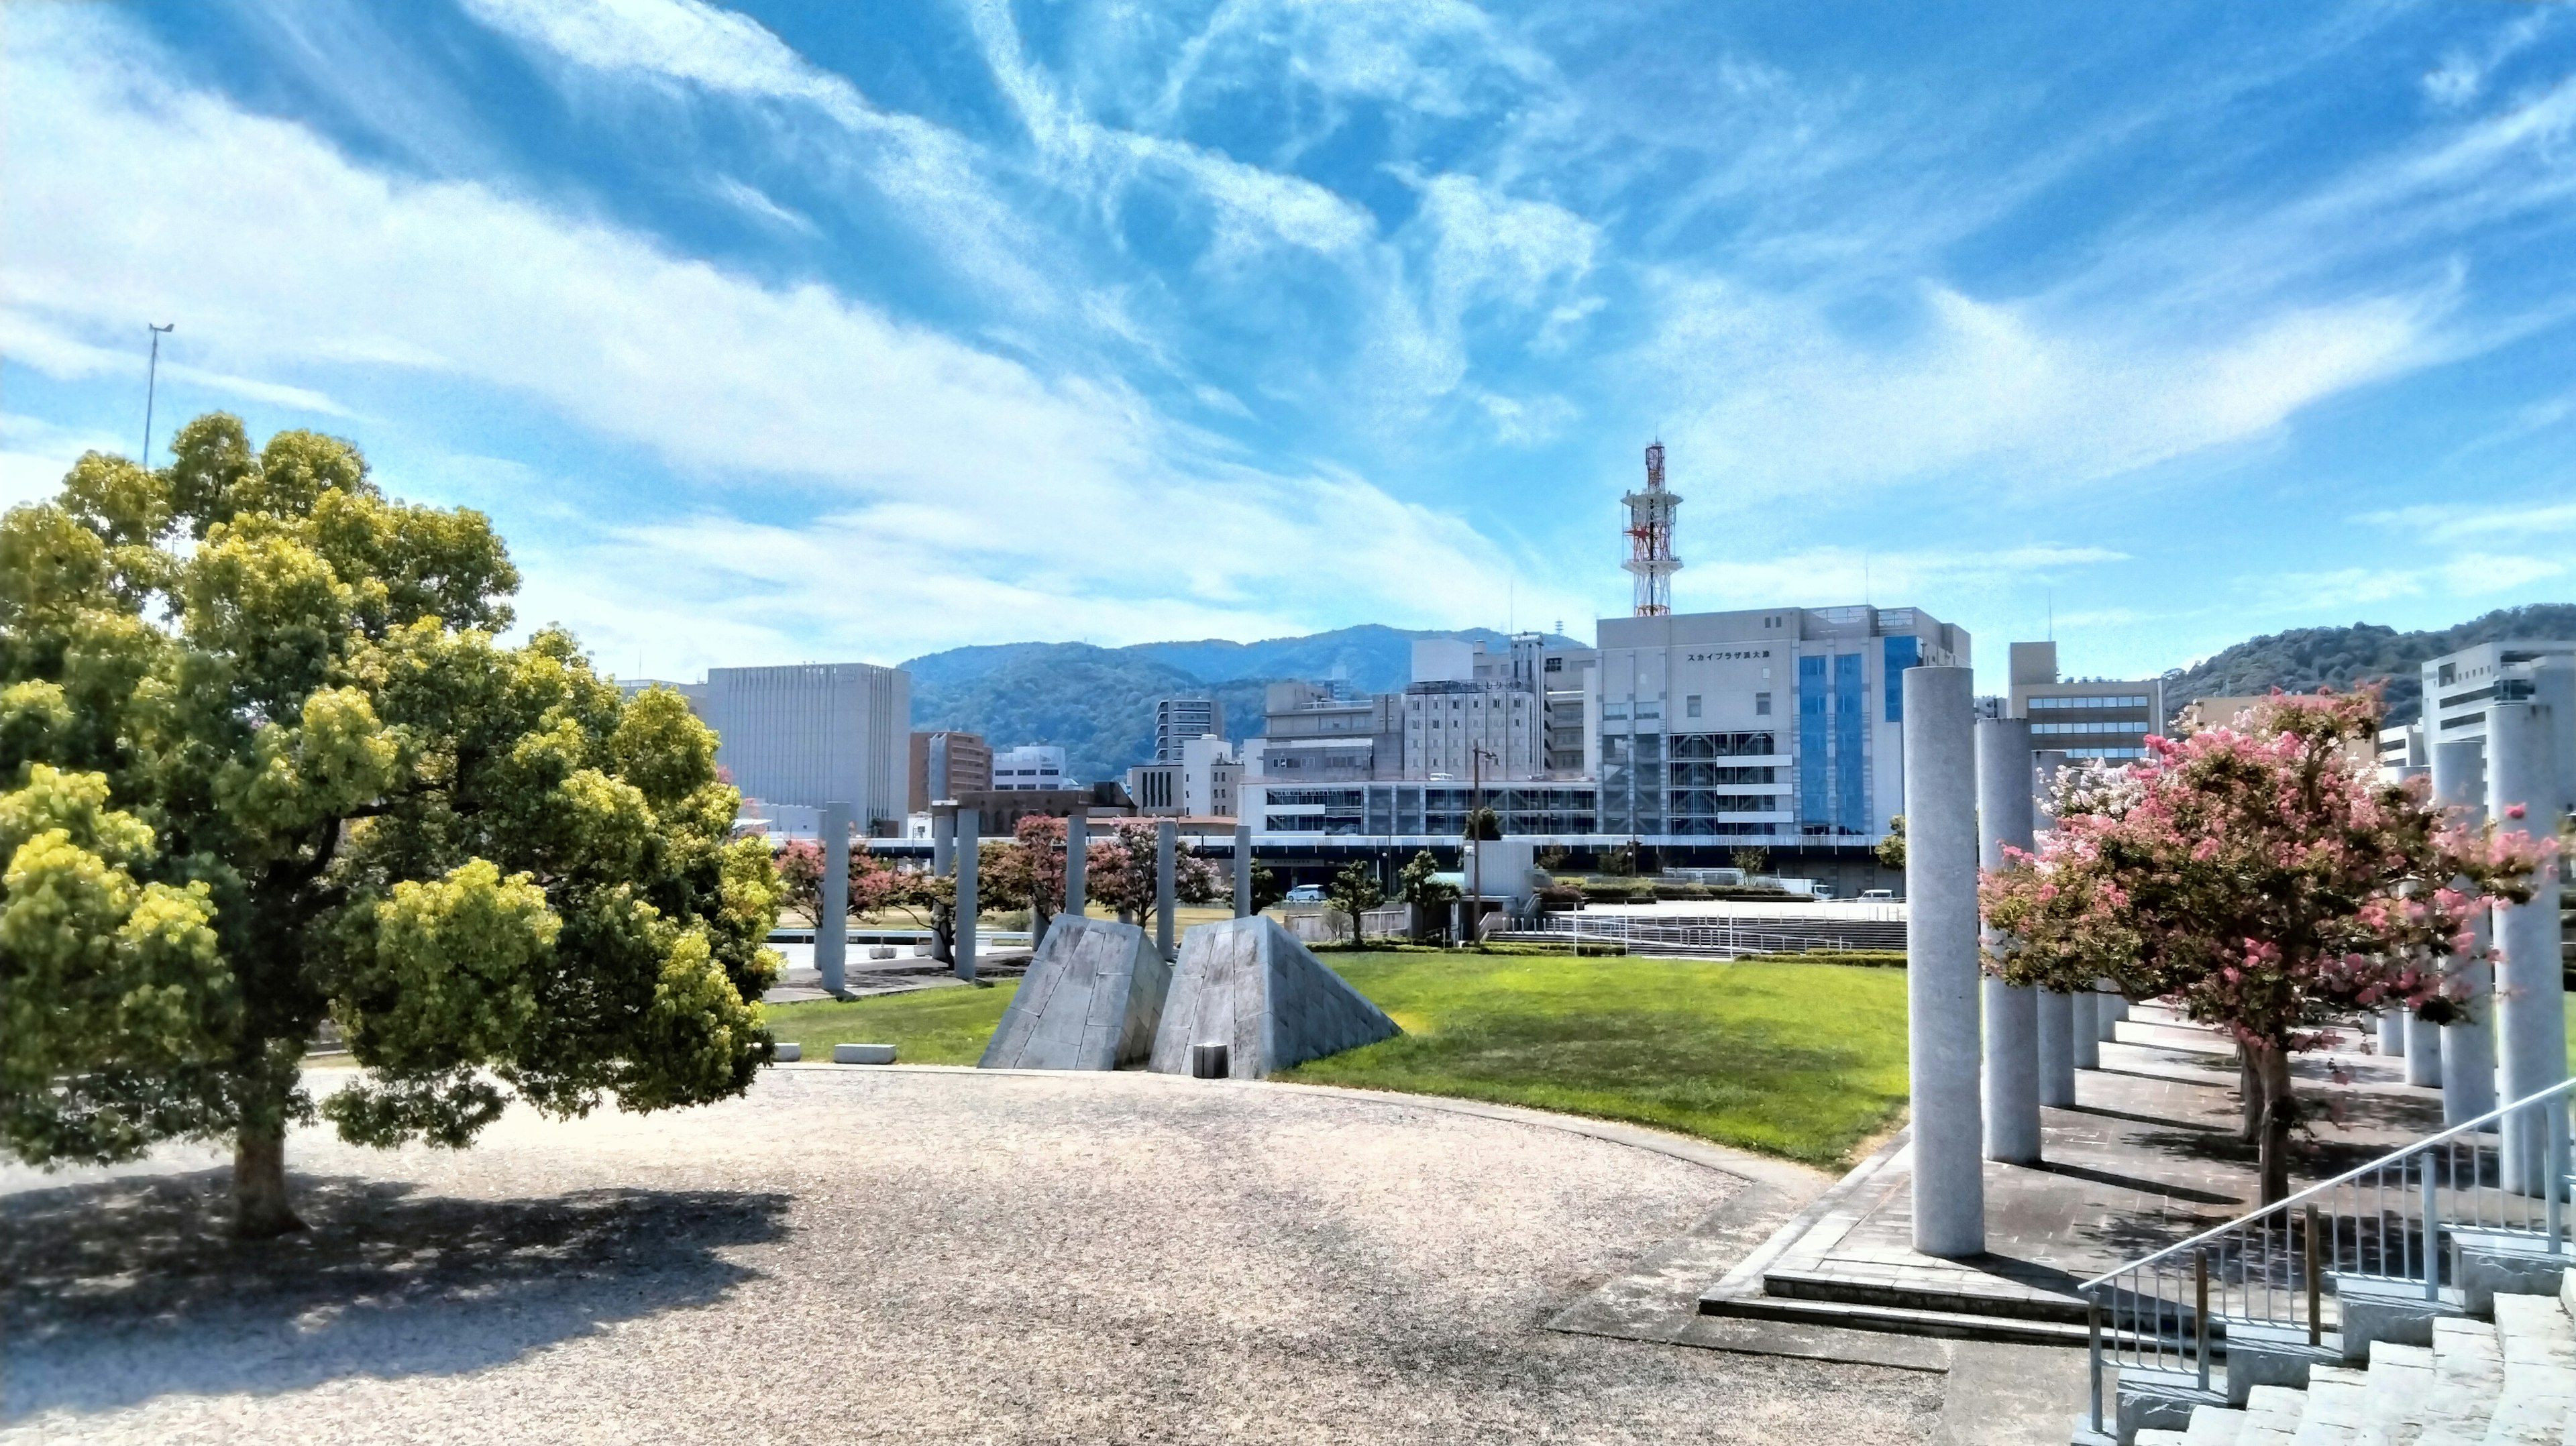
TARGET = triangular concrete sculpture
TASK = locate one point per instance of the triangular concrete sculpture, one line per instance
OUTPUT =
(1249, 985)
(1090, 1000)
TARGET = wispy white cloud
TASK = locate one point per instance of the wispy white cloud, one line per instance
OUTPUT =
(971, 492)
(2464, 522)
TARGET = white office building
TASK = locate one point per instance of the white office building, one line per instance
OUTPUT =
(1029, 766)
(1776, 727)
(1203, 783)
(815, 733)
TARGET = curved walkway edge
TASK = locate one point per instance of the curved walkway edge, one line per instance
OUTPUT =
(1742, 1164)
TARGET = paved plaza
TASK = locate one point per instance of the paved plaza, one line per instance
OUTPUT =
(918, 1255)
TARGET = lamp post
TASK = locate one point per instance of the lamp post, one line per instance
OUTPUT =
(1476, 757)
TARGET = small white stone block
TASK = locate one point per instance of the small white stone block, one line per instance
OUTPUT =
(863, 1054)
(786, 1051)
(920, 951)
(881, 951)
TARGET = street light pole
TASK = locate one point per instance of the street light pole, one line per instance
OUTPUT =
(151, 385)
(1476, 878)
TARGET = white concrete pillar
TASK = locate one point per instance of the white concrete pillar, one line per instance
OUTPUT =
(943, 837)
(970, 830)
(1077, 862)
(1941, 961)
(2468, 1044)
(2392, 1033)
(2012, 1012)
(1243, 871)
(832, 916)
(2531, 1002)
(2083, 1032)
(2056, 1048)
(2108, 1010)
(2423, 1051)
(1167, 848)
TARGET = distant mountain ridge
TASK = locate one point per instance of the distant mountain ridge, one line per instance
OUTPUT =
(1098, 703)
(2305, 659)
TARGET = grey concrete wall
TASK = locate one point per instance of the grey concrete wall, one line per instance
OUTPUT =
(1246, 984)
(1242, 870)
(1077, 863)
(1941, 961)
(1092, 999)
(2056, 1048)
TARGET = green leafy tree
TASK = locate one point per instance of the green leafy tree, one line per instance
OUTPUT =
(1483, 825)
(266, 763)
(1267, 887)
(1355, 891)
(1420, 886)
(1752, 860)
(1891, 849)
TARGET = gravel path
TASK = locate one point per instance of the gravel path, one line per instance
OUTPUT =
(900, 1255)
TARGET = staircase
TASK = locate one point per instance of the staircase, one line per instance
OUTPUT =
(2500, 1382)
(2423, 1298)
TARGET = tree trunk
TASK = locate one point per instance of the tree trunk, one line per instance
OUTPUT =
(2280, 1113)
(2249, 1098)
(943, 933)
(260, 1208)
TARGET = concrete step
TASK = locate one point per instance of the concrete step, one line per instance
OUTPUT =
(2334, 1414)
(2210, 1426)
(2400, 1379)
(2537, 1342)
(2272, 1415)
(2468, 1372)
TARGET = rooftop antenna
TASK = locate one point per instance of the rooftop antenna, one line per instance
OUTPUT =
(151, 385)
(1650, 538)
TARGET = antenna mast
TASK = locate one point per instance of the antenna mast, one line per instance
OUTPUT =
(151, 386)
(1650, 539)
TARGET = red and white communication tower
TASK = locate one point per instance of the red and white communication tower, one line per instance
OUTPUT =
(1650, 539)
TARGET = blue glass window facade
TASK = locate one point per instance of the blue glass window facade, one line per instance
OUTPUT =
(1902, 653)
(1851, 799)
(1815, 793)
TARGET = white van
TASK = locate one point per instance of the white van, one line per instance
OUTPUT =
(1878, 896)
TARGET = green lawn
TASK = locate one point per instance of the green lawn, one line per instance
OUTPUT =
(1797, 1059)
(1793, 1058)
(931, 1026)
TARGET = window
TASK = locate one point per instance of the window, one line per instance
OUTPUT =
(1690, 706)
(1762, 703)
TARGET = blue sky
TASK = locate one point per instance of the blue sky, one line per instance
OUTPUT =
(827, 331)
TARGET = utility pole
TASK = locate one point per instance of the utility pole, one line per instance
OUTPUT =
(151, 385)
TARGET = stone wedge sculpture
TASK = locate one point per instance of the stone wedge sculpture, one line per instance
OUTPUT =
(1090, 1000)
(1249, 985)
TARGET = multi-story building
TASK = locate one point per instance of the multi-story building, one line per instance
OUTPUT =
(1178, 720)
(814, 733)
(970, 768)
(1469, 713)
(2459, 687)
(1778, 727)
(1315, 733)
(1201, 784)
(1761, 725)
(2085, 718)
(1029, 766)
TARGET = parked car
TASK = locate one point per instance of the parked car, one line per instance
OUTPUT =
(1306, 894)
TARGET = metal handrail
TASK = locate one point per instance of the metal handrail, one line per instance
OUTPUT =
(2386, 1220)
(2466, 1127)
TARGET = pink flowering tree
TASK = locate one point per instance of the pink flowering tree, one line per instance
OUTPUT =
(2264, 880)
(1119, 873)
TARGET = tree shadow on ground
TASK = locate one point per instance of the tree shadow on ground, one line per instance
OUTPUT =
(118, 1292)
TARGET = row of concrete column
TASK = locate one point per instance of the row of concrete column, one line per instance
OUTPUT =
(1985, 1057)
(955, 845)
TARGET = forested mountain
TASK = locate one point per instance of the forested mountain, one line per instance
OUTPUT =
(1098, 703)
(2304, 659)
